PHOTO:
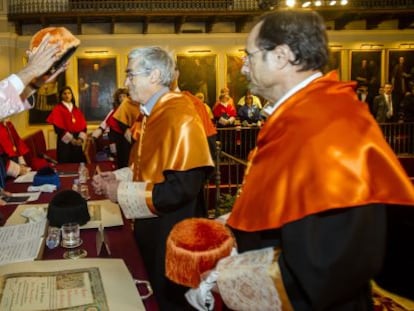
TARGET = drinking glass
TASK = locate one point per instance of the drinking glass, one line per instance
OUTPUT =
(71, 235)
(71, 240)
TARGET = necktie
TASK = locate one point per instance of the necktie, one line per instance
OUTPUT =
(389, 104)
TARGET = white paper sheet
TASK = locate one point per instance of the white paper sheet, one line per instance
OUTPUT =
(26, 178)
(21, 242)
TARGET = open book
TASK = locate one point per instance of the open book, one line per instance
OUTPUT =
(86, 284)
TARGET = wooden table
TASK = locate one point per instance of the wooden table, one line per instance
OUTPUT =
(121, 239)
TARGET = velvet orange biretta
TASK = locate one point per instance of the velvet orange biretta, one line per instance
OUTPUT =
(194, 246)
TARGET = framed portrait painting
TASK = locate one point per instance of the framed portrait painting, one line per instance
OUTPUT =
(401, 71)
(45, 99)
(334, 62)
(235, 80)
(366, 69)
(97, 82)
(198, 74)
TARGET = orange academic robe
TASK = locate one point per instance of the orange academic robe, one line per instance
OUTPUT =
(320, 150)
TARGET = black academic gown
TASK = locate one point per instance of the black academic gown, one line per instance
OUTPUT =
(179, 197)
(307, 251)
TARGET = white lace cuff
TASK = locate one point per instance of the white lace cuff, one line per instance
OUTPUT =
(97, 133)
(123, 174)
(13, 169)
(67, 138)
(83, 136)
(245, 283)
(128, 135)
(22, 160)
(16, 82)
(132, 197)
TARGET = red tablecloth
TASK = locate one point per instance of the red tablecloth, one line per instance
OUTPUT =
(121, 239)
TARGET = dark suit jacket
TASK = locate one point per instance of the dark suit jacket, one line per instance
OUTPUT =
(380, 109)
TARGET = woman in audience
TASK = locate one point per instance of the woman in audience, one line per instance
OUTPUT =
(249, 113)
(70, 127)
(242, 101)
(224, 112)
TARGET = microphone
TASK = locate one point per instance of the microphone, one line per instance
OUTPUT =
(49, 159)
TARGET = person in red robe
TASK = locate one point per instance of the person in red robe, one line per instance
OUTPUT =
(224, 111)
(119, 144)
(70, 127)
(12, 150)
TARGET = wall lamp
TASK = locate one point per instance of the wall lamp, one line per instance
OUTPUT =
(96, 52)
(199, 51)
(406, 46)
(371, 46)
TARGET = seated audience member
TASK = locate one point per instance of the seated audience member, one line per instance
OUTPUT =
(249, 113)
(256, 100)
(224, 112)
(118, 143)
(70, 127)
(225, 91)
(12, 150)
(200, 96)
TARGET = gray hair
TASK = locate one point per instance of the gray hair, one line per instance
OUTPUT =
(155, 58)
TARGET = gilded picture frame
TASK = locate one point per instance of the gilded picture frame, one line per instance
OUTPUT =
(334, 62)
(97, 82)
(235, 80)
(198, 73)
(400, 71)
(46, 97)
(367, 68)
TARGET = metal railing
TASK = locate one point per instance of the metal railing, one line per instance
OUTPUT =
(234, 144)
(225, 182)
(239, 141)
(400, 136)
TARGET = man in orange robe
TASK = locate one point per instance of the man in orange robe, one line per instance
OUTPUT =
(316, 185)
(170, 162)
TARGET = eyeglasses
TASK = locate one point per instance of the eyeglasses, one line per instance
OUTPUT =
(249, 55)
(130, 74)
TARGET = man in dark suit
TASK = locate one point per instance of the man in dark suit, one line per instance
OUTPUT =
(384, 108)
